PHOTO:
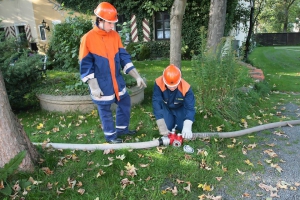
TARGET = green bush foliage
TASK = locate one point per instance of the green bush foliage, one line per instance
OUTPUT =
(22, 72)
(219, 80)
(145, 53)
(65, 41)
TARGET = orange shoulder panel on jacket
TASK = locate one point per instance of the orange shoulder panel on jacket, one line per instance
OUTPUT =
(183, 87)
(159, 81)
(83, 51)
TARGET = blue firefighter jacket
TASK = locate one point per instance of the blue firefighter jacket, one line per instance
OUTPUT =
(102, 56)
(182, 97)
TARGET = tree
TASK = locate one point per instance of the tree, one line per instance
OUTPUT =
(13, 138)
(177, 12)
(216, 25)
(277, 14)
(256, 7)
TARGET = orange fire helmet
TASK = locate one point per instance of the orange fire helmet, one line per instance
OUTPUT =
(172, 76)
(107, 12)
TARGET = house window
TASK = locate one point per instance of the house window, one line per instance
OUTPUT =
(2, 34)
(162, 25)
(42, 33)
(21, 33)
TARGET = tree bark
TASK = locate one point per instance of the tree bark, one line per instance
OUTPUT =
(13, 138)
(216, 24)
(177, 12)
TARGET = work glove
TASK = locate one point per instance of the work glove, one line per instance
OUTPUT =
(187, 129)
(162, 127)
(140, 82)
(94, 87)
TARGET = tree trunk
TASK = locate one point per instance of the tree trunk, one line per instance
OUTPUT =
(177, 12)
(250, 31)
(13, 138)
(216, 24)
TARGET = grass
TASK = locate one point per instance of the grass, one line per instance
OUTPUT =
(65, 174)
(280, 66)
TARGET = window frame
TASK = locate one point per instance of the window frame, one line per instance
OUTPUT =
(41, 27)
(164, 29)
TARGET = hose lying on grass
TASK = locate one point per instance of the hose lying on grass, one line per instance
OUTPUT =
(165, 140)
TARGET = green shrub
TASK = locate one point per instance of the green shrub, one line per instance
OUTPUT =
(219, 78)
(145, 53)
(65, 41)
(22, 72)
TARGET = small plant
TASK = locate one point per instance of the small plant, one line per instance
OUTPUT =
(8, 170)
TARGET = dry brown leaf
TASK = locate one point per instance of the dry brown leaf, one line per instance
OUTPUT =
(122, 172)
(179, 181)
(58, 192)
(131, 170)
(240, 172)
(248, 162)
(120, 157)
(246, 195)
(124, 182)
(251, 146)
(144, 165)
(49, 185)
(188, 187)
(219, 178)
(81, 191)
(108, 151)
(271, 145)
(47, 170)
(100, 173)
(148, 178)
(271, 153)
(79, 184)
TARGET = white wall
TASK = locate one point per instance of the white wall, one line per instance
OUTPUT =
(17, 12)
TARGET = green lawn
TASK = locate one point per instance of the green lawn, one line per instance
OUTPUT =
(281, 66)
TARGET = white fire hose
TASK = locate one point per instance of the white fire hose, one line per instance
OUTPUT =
(165, 140)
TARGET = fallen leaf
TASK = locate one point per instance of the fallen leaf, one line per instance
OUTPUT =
(219, 178)
(179, 181)
(188, 187)
(124, 182)
(248, 162)
(40, 126)
(81, 191)
(100, 173)
(144, 165)
(120, 157)
(246, 195)
(240, 172)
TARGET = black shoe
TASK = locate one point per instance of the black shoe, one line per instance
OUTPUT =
(115, 141)
(127, 133)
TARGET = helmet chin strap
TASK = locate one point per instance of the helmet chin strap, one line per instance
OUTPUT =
(101, 23)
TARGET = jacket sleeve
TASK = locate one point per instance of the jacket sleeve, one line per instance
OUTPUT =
(157, 100)
(189, 105)
(125, 58)
(86, 61)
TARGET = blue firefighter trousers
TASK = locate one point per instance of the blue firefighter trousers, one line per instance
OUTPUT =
(111, 131)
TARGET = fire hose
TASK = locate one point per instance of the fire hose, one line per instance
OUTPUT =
(172, 139)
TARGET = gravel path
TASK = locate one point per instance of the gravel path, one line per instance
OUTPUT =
(272, 184)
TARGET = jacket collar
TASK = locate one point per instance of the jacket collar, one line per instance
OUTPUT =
(100, 31)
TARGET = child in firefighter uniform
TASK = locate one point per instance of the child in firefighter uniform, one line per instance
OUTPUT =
(102, 57)
(173, 103)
